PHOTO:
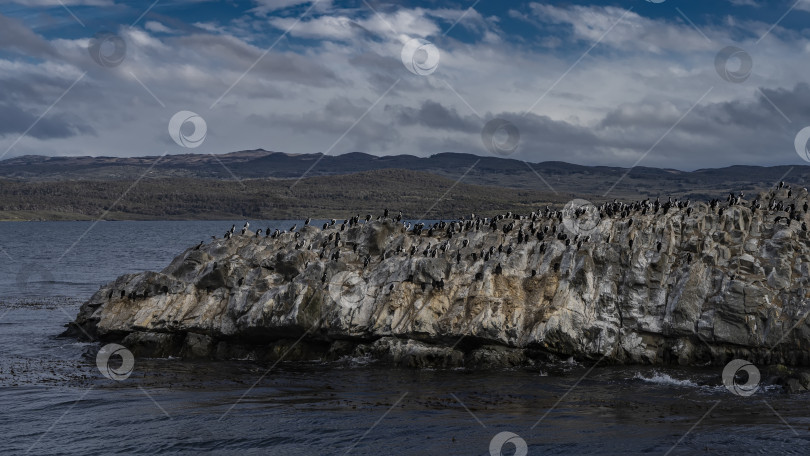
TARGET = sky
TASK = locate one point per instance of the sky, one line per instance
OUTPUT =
(660, 83)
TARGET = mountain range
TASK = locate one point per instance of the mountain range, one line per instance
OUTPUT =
(30, 186)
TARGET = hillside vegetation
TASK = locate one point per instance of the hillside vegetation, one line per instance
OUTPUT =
(416, 194)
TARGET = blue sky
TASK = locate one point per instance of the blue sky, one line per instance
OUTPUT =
(594, 83)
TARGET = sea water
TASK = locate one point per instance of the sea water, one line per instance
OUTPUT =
(55, 400)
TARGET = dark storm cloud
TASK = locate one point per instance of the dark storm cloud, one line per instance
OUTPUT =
(14, 122)
(434, 115)
(16, 37)
(231, 52)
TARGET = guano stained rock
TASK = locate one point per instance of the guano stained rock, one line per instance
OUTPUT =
(643, 282)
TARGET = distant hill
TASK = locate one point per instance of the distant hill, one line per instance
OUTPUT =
(488, 170)
(51, 187)
(417, 194)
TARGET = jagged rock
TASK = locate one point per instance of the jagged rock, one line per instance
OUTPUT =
(683, 285)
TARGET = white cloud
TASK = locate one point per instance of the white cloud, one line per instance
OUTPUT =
(607, 109)
(402, 23)
(65, 2)
(803, 5)
(745, 3)
(623, 29)
(157, 27)
(264, 7)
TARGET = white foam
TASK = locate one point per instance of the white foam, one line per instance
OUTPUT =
(659, 378)
(355, 361)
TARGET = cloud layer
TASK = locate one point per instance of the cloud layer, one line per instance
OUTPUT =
(588, 84)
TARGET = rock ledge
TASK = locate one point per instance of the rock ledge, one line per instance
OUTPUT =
(623, 283)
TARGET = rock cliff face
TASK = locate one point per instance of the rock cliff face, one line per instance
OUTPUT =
(623, 283)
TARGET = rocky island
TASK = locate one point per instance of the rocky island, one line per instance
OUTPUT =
(652, 282)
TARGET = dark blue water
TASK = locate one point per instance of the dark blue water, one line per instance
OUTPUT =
(54, 400)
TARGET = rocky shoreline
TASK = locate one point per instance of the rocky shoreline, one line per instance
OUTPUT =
(645, 282)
